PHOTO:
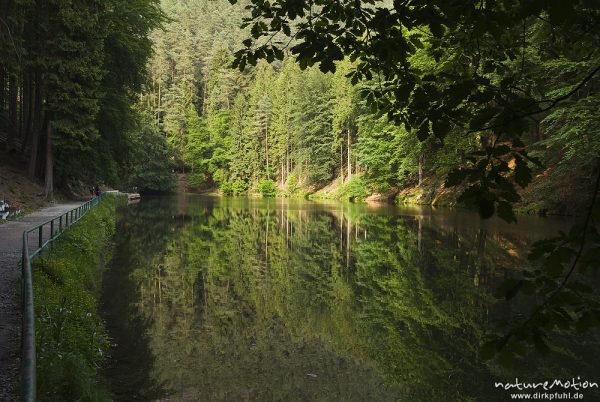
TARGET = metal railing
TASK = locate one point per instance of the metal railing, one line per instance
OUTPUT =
(44, 234)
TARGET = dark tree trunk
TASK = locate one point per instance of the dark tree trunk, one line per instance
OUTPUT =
(21, 117)
(49, 174)
(37, 128)
(2, 90)
(28, 105)
(12, 111)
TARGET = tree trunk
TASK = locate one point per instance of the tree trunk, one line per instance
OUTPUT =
(267, 145)
(37, 128)
(158, 106)
(28, 102)
(12, 131)
(204, 90)
(421, 157)
(342, 161)
(35, 139)
(349, 175)
(287, 159)
(21, 117)
(2, 89)
(49, 175)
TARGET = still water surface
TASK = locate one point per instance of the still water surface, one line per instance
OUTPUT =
(236, 299)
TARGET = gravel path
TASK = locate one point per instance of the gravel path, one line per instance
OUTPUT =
(10, 311)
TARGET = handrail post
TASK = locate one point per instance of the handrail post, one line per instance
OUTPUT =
(52, 229)
(28, 363)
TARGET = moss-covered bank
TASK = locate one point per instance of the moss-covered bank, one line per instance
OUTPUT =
(70, 334)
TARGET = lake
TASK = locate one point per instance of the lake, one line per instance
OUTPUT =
(241, 299)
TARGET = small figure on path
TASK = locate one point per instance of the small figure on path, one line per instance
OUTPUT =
(92, 192)
(97, 190)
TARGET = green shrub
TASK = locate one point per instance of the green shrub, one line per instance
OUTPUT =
(196, 180)
(227, 188)
(268, 188)
(354, 189)
(234, 188)
(292, 184)
(239, 187)
(71, 337)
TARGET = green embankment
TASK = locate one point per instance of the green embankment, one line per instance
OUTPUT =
(70, 334)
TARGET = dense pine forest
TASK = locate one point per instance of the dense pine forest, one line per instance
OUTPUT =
(300, 129)
(126, 93)
(69, 74)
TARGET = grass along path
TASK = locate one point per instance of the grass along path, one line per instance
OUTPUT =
(10, 310)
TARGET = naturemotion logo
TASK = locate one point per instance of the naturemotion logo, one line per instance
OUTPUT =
(557, 386)
(547, 385)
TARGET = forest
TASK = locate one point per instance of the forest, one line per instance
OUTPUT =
(284, 124)
(114, 86)
(489, 105)
(69, 74)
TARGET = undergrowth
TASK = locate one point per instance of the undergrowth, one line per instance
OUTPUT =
(71, 336)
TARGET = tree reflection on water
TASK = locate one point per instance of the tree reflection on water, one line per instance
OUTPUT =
(242, 299)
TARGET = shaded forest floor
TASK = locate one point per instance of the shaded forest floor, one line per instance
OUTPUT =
(16, 188)
(21, 192)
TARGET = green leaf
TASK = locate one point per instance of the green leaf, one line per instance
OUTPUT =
(486, 208)
(440, 128)
(540, 248)
(501, 150)
(423, 131)
(522, 172)
(436, 29)
(480, 119)
(278, 53)
(455, 177)
(505, 212)
(327, 66)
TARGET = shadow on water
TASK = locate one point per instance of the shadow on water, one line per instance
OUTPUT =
(230, 299)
